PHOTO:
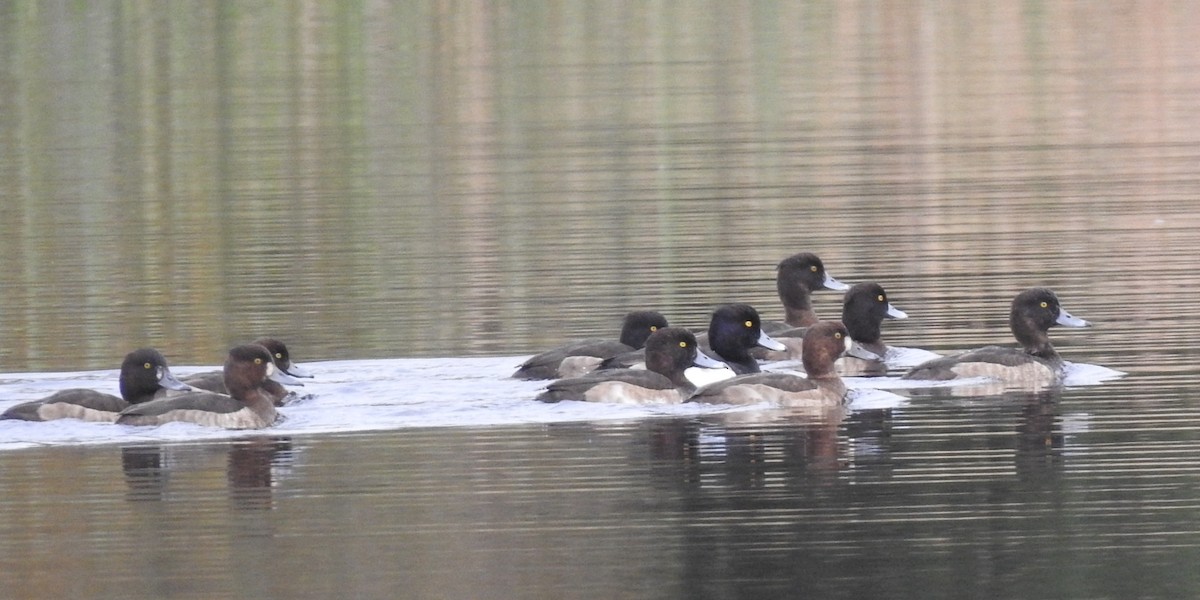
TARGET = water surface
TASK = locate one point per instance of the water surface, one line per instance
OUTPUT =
(412, 195)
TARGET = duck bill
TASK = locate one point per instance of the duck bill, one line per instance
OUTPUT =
(833, 284)
(769, 342)
(859, 352)
(1066, 320)
(280, 376)
(895, 313)
(167, 380)
(296, 370)
(708, 362)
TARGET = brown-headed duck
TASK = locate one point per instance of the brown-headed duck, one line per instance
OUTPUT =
(798, 277)
(249, 405)
(823, 344)
(214, 381)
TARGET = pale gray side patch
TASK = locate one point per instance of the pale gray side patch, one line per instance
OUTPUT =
(742, 393)
(576, 366)
(242, 419)
(1032, 373)
(67, 410)
(619, 392)
(819, 395)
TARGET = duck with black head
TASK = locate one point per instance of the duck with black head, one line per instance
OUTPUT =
(1035, 364)
(581, 357)
(248, 406)
(669, 353)
(823, 344)
(733, 331)
(143, 372)
(798, 277)
(864, 309)
(214, 381)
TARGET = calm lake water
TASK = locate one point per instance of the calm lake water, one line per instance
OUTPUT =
(416, 195)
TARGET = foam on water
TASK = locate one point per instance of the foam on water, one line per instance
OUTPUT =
(371, 395)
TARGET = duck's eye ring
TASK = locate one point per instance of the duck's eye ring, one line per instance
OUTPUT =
(749, 323)
(813, 268)
(1045, 304)
(653, 328)
(147, 365)
(879, 297)
(258, 361)
(683, 344)
(838, 335)
(278, 355)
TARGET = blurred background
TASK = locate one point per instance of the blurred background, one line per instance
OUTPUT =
(450, 178)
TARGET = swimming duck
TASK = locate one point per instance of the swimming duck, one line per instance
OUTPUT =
(214, 381)
(1035, 363)
(249, 405)
(578, 358)
(823, 344)
(143, 372)
(669, 352)
(798, 277)
(733, 331)
(864, 308)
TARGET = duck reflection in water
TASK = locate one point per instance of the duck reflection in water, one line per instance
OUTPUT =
(250, 469)
(735, 451)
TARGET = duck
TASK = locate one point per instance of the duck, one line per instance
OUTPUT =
(824, 342)
(214, 381)
(248, 406)
(864, 308)
(578, 358)
(143, 372)
(669, 352)
(1035, 364)
(733, 331)
(798, 277)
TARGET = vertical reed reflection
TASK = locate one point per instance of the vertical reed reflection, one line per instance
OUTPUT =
(403, 179)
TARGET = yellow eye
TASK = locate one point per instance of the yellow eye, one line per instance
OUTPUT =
(258, 361)
(683, 344)
(879, 297)
(278, 355)
(749, 323)
(147, 365)
(1045, 304)
(838, 335)
(654, 328)
(813, 268)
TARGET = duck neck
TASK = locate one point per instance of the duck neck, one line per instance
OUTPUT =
(260, 402)
(818, 365)
(667, 368)
(734, 355)
(800, 317)
(1034, 340)
(864, 331)
(825, 374)
(797, 305)
(133, 393)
